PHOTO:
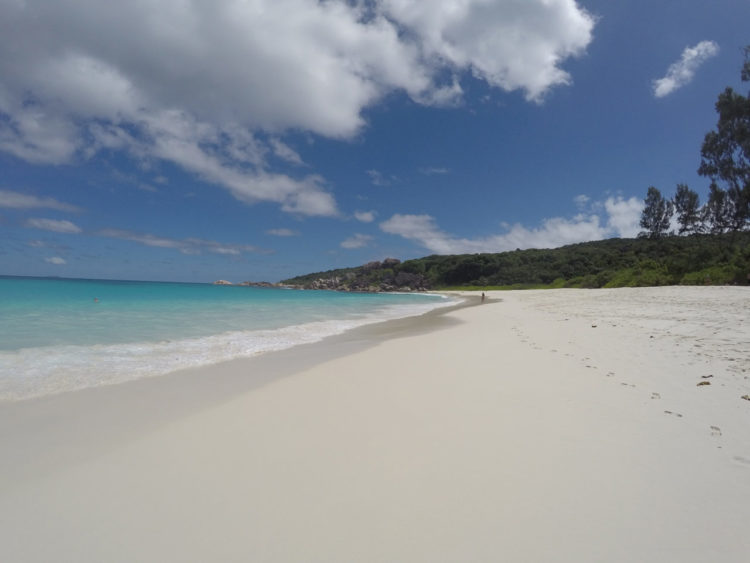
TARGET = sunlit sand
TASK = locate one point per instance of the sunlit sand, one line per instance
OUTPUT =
(563, 425)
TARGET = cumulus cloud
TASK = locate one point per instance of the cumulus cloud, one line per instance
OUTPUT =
(203, 148)
(624, 216)
(682, 72)
(364, 216)
(213, 86)
(356, 241)
(56, 260)
(621, 220)
(54, 225)
(17, 200)
(186, 246)
(511, 45)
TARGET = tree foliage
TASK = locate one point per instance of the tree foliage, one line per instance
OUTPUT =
(656, 214)
(715, 214)
(687, 208)
(725, 154)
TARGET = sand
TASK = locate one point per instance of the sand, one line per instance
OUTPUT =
(564, 425)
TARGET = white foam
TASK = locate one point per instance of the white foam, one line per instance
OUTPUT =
(35, 372)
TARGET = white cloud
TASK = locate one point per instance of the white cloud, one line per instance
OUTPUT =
(624, 216)
(420, 228)
(365, 216)
(142, 238)
(193, 83)
(682, 72)
(56, 260)
(622, 220)
(201, 148)
(285, 152)
(509, 44)
(282, 232)
(54, 225)
(356, 241)
(17, 200)
(186, 246)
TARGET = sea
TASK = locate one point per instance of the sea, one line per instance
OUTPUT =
(59, 335)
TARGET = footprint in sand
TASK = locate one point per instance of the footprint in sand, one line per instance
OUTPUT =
(655, 396)
(715, 431)
(678, 415)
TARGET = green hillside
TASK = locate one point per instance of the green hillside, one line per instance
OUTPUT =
(689, 260)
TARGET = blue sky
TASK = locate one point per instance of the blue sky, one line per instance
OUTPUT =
(264, 139)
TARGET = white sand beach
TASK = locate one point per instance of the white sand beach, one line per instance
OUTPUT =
(560, 425)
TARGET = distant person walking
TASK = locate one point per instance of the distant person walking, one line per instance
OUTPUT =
(483, 297)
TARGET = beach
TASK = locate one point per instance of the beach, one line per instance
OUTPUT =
(557, 425)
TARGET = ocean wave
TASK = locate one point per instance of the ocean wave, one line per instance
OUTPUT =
(40, 371)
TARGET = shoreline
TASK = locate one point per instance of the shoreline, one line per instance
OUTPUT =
(110, 407)
(37, 370)
(562, 425)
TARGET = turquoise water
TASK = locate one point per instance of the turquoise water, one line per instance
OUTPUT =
(58, 334)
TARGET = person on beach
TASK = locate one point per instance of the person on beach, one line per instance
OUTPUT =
(483, 297)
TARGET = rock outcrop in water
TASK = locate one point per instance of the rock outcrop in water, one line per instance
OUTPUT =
(259, 284)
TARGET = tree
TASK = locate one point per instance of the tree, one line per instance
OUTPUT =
(687, 208)
(715, 213)
(656, 214)
(725, 154)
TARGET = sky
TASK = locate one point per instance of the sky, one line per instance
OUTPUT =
(262, 139)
